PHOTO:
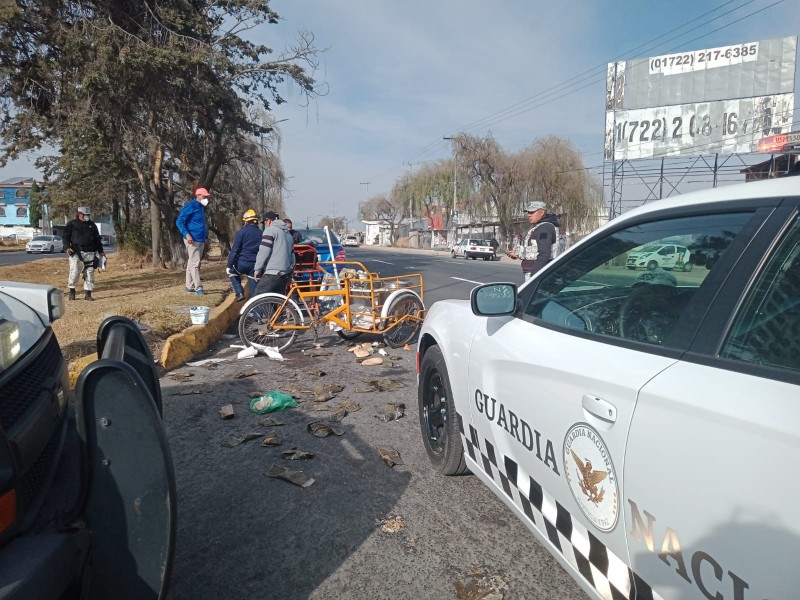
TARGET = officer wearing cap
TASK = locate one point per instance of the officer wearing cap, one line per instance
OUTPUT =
(537, 247)
(83, 245)
(275, 259)
(242, 258)
(191, 222)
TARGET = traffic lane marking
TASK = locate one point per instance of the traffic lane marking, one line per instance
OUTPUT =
(468, 280)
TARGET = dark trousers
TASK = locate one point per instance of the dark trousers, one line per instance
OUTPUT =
(243, 268)
(272, 283)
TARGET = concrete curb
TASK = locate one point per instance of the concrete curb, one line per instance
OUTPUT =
(182, 346)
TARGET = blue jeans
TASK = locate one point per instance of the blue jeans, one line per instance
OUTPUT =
(243, 269)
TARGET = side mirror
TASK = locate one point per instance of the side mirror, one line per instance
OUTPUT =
(494, 299)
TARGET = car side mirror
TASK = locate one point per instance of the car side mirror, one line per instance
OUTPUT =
(494, 299)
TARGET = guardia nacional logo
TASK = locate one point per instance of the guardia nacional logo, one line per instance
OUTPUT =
(591, 476)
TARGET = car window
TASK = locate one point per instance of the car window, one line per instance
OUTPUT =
(601, 290)
(317, 237)
(766, 331)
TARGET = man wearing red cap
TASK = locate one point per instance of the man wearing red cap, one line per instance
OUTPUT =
(192, 224)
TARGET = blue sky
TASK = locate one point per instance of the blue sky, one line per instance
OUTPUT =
(400, 75)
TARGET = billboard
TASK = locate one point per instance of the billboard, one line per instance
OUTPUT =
(701, 102)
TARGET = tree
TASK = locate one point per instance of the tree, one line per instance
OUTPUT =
(387, 210)
(150, 94)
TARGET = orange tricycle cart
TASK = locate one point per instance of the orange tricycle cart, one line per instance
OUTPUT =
(343, 296)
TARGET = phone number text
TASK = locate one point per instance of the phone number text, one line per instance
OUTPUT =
(699, 60)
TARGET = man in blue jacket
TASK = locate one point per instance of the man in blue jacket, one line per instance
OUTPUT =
(242, 258)
(191, 223)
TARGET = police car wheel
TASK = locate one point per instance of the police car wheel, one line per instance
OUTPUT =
(452, 253)
(652, 265)
(437, 415)
(687, 267)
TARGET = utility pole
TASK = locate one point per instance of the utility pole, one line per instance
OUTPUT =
(455, 197)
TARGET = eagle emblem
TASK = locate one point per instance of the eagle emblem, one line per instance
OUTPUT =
(588, 479)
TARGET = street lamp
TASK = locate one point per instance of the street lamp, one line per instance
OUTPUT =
(455, 198)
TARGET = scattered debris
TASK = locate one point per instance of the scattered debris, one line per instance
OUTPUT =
(321, 430)
(243, 374)
(406, 347)
(323, 393)
(239, 439)
(295, 454)
(248, 352)
(339, 414)
(229, 336)
(296, 477)
(392, 524)
(361, 353)
(272, 439)
(211, 366)
(350, 406)
(389, 455)
(479, 585)
(272, 401)
(226, 412)
(272, 354)
(189, 392)
(201, 363)
(383, 352)
(375, 360)
(317, 373)
(295, 389)
(180, 376)
(315, 352)
(382, 385)
(393, 411)
(269, 422)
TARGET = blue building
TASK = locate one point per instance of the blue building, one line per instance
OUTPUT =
(15, 206)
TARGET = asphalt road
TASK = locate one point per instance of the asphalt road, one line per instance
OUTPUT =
(242, 534)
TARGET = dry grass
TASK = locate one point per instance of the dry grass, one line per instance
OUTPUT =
(128, 287)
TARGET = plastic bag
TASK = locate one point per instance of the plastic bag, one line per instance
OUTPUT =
(272, 401)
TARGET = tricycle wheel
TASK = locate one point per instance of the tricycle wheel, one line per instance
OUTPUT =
(347, 334)
(437, 415)
(404, 318)
(255, 327)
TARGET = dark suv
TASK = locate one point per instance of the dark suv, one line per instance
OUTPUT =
(87, 488)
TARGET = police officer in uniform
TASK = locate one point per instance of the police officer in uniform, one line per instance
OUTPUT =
(83, 244)
(539, 246)
(242, 258)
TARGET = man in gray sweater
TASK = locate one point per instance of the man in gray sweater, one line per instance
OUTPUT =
(275, 258)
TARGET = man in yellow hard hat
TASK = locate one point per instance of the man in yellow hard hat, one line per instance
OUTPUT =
(242, 258)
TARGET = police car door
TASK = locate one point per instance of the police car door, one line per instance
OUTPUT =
(554, 389)
(710, 489)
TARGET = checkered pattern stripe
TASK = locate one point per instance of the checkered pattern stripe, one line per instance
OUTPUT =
(600, 567)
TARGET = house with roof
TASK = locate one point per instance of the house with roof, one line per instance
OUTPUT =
(15, 206)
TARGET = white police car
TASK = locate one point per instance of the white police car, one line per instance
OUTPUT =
(643, 425)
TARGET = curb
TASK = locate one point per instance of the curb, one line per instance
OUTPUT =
(181, 347)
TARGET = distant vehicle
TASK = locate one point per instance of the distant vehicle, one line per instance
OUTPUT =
(17, 237)
(350, 240)
(665, 256)
(106, 240)
(45, 243)
(318, 239)
(473, 248)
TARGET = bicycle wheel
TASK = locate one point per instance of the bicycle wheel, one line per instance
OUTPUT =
(405, 315)
(255, 327)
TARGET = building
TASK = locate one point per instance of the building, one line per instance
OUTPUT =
(15, 207)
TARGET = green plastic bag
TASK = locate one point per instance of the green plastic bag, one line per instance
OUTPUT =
(272, 401)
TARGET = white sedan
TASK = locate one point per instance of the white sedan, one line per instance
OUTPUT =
(45, 243)
(642, 424)
(350, 240)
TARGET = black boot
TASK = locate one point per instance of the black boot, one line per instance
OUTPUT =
(72, 293)
(88, 295)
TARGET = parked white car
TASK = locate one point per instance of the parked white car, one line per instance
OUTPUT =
(350, 240)
(45, 243)
(643, 425)
(653, 256)
(473, 248)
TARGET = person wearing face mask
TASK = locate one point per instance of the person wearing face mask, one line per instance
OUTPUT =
(191, 223)
(83, 245)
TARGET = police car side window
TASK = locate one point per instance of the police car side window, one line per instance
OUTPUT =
(766, 331)
(621, 286)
